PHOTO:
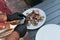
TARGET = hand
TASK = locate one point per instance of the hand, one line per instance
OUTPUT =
(15, 16)
(21, 29)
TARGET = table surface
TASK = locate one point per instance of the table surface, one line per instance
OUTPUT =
(52, 10)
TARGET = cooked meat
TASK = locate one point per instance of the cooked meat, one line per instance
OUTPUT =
(34, 17)
(34, 22)
(28, 23)
(41, 17)
(28, 18)
(36, 12)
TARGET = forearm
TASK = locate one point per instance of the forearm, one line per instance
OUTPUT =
(13, 36)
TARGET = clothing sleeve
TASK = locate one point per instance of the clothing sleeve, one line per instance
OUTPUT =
(15, 16)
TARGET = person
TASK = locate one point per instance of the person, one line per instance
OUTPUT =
(18, 32)
(4, 9)
(20, 29)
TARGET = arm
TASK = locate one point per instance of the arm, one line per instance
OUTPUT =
(19, 31)
(14, 16)
(13, 36)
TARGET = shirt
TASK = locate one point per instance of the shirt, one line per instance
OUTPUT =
(4, 8)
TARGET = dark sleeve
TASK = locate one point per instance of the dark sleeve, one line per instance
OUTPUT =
(21, 29)
(15, 16)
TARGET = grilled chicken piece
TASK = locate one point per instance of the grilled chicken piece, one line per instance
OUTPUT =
(34, 17)
(28, 18)
(28, 23)
(34, 22)
(41, 17)
(36, 12)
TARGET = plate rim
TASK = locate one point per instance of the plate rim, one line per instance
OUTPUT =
(41, 27)
(42, 23)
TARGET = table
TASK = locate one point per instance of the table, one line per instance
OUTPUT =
(52, 10)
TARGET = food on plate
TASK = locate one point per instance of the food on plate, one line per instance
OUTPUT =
(34, 17)
(28, 23)
(34, 22)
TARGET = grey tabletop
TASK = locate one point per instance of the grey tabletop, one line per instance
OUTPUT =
(52, 10)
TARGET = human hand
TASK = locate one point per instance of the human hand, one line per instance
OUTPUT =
(21, 29)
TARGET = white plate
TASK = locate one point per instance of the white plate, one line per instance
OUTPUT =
(41, 22)
(49, 32)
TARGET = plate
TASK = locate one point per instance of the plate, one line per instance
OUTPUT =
(49, 32)
(42, 13)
